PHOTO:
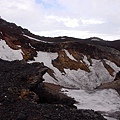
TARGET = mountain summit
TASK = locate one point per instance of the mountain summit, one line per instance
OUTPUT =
(85, 64)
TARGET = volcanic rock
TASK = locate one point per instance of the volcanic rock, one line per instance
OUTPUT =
(23, 96)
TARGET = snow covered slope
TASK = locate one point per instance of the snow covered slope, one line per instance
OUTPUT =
(107, 101)
(100, 100)
(77, 78)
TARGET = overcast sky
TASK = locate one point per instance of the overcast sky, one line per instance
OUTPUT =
(76, 18)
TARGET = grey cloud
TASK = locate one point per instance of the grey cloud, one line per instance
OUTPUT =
(33, 16)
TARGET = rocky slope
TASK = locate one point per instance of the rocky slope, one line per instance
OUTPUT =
(85, 64)
(24, 96)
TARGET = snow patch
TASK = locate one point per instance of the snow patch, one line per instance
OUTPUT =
(86, 61)
(6, 53)
(87, 80)
(69, 55)
(109, 118)
(113, 65)
(107, 100)
(36, 39)
(1, 32)
(46, 57)
(63, 38)
(49, 79)
(94, 39)
(31, 46)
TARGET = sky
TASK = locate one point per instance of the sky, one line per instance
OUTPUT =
(74, 18)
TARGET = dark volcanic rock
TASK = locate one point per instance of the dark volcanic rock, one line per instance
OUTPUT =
(16, 79)
(23, 96)
(117, 76)
(25, 110)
